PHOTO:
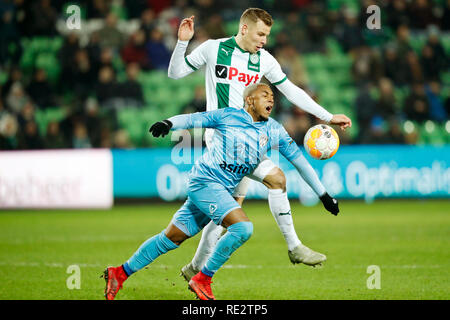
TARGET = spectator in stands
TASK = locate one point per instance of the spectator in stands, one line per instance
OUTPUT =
(15, 75)
(44, 18)
(416, 107)
(80, 136)
(110, 36)
(54, 139)
(385, 105)
(315, 32)
(16, 98)
(106, 59)
(200, 36)
(135, 8)
(214, 27)
(9, 32)
(8, 132)
(394, 134)
(94, 49)
(375, 133)
(437, 109)
(291, 63)
(430, 64)
(394, 67)
(397, 14)
(131, 90)
(349, 34)
(26, 114)
(402, 41)
(414, 71)
(434, 42)
(422, 15)
(98, 9)
(365, 108)
(30, 139)
(157, 51)
(148, 21)
(82, 75)
(67, 51)
(135, 51)
(445, 20)
(198, 103)
(367, 66)
(40, 90)
(122, 139)
(93, 121)
(107, 87)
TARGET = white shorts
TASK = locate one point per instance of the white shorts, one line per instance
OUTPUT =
(260, 172)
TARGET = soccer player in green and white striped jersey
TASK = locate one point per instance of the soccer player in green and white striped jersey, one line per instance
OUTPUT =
(231, 64)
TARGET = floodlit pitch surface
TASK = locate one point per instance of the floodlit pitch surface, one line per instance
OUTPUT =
(408, 240)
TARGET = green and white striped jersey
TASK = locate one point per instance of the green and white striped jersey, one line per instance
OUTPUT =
(229, 69)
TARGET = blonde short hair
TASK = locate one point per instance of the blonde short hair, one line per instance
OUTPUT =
(253, 14)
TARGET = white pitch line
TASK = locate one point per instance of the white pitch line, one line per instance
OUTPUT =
(230, 266)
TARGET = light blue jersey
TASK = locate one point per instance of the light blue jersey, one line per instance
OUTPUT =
(238, 145)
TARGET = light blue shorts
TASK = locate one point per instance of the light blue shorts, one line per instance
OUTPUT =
(204, 203)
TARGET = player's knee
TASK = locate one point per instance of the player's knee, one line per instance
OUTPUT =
(243, 230)
(276, 180)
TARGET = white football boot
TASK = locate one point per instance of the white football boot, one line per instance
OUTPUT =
(303, 254)
(188, 272)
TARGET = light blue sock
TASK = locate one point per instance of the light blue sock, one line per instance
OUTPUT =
(237, 234)
(148, 252)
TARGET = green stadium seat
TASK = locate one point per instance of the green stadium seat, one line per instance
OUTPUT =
(348, 95)
(328, 96)
(431, 133)
(445, 40)
(41, 121)
(231, 27)
(333, 46)
(314, 62)
(445, 77)
(320, 78)
(55, 114)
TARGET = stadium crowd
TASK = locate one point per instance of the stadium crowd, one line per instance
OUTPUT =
(99, 67)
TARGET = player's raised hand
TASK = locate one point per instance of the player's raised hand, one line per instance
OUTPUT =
(341, 120)
(160, 128)
(186, 29)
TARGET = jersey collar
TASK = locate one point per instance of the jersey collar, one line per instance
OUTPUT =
(233, 41)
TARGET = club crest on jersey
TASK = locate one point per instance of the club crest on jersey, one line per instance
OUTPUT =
(254, 58)
(212, 208)
(263, 140)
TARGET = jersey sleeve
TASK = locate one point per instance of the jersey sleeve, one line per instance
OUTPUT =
(289, 149)
(283, 142)
(199, 56)
(274, 73)
(207, 119)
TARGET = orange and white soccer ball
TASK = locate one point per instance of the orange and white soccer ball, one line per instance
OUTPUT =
(321, 142)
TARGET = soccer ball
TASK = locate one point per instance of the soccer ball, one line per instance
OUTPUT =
(321, 142)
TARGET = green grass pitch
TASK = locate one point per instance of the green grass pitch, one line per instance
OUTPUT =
(408, 240)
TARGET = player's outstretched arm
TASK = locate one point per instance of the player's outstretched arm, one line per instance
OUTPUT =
(301, 99)
(207, 119)
(291, 151)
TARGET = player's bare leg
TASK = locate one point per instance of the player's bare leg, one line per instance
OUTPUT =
(280, 207)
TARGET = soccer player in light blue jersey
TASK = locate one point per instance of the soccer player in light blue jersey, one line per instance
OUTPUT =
(241, 140)
(230, 65)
